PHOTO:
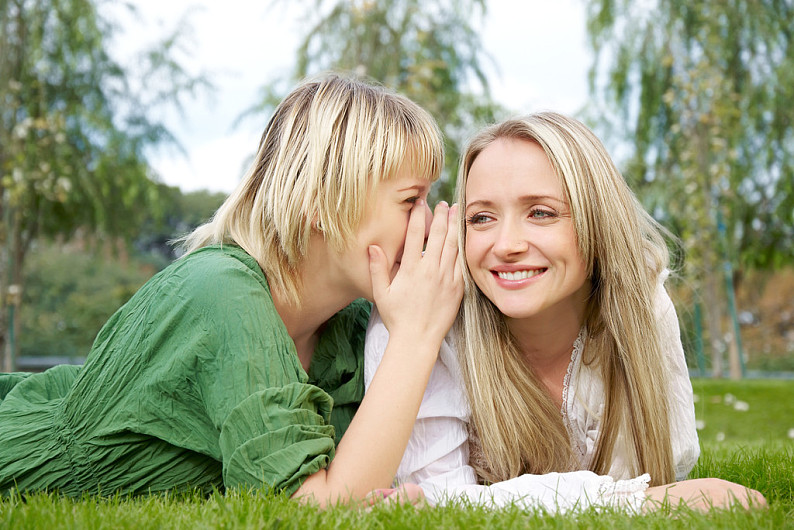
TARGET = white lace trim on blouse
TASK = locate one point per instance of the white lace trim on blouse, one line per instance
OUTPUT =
(566, 409)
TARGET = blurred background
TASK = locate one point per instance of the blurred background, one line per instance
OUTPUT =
(125, 124)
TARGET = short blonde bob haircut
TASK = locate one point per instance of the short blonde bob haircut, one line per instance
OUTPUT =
(328, 143)
(518, 426)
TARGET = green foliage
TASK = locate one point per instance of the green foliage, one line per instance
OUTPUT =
(75, 127)
(68, 297)
(428, 51)
(704, 92)
(73, 131)
(182, 212)
(70, 293)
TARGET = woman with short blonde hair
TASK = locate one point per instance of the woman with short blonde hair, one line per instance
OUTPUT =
(241, 363)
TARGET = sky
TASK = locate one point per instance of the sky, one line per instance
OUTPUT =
(538, 51)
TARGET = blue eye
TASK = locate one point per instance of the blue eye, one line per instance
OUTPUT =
(476, 219)
(538, 213)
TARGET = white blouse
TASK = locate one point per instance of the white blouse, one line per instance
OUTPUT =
(437, 454)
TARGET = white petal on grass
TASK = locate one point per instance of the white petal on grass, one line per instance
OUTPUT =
(791, 433)
(741, 406)
(700, 425)
(695, 398)
(720, 436)
(729, 399)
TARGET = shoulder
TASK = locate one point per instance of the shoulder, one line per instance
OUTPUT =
(215, 273)
(662, 303)
(215, 287)
(219, 262)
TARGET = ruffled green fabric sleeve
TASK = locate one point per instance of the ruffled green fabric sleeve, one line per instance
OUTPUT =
(295, 438)
(274, 426)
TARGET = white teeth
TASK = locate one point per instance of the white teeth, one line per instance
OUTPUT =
(519, 275)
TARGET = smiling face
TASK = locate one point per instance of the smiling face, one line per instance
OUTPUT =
(521, 246)
(384, 224)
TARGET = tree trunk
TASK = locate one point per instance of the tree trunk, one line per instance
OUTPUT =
(713, 314)
(734, 366)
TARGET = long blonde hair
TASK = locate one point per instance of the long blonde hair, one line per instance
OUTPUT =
(327, 144)
(519, 427)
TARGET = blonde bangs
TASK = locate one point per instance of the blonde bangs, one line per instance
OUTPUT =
(370, 137)
(412, 142)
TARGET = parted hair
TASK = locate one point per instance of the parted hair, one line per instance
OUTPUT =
(518, 426)
(326, 146)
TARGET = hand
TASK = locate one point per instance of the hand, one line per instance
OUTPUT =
(423, 298)
(404, 494)
(704, 494)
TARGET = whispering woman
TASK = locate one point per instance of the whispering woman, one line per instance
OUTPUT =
(241, 364)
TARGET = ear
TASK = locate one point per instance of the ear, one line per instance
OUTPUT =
(317, 225)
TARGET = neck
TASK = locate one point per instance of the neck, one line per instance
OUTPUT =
(546, 342)
(318, 300)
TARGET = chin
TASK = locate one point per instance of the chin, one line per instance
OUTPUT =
(516, 312)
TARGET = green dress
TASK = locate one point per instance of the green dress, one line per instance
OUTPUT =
(193, 384)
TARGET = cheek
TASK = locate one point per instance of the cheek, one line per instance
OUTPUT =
(475, 247)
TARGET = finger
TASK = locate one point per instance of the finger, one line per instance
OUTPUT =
(438, 231)
(412, 493)
(378, 272)
(415, 236)
(449, 252)
(457, 277)
(405, 494)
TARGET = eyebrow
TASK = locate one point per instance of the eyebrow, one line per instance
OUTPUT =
(523, 199)
(416, 187)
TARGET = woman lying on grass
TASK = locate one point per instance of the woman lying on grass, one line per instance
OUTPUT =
(563, 383)
(241, 364)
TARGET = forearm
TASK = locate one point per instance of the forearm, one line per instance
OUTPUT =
(418, 306)
(370, 451)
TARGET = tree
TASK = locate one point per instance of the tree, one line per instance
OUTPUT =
(426, 50)
(69, 294)
(183, 213)
(704, 91)
(74, 130)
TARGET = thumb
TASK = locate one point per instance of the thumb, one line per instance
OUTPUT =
(378, 272)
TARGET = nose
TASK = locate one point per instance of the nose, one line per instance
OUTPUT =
(510, 240)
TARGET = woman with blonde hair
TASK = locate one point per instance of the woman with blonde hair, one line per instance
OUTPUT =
(566, 355)
(241, 364)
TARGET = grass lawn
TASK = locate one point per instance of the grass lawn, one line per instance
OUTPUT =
(754, 449)
(740, 413)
